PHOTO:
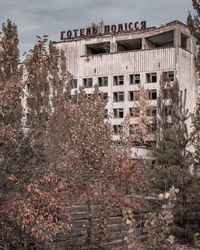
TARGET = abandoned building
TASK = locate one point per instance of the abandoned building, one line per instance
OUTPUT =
(122, 56)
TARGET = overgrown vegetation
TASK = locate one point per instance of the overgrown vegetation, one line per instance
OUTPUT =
(59, 151)
(56, 152)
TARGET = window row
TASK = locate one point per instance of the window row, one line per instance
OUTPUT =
(119, 79)
(133, 95)
(155, 41)
(152, 127)
(151, 111)
(135, 112)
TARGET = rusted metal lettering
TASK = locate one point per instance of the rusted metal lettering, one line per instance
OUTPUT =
(136, 25)
(114, 28)
(143, 25)
(120, 27)
(82, 32)
(130, 26)
(94, 31)
(69, 34)
(75, 32)
(88, 31)
(108, 29)
(62, 35)
(126, 27)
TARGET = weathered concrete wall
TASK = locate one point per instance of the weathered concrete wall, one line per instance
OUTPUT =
(188, 80)
(146, 60)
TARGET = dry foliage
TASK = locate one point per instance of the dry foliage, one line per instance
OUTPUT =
(64, 155)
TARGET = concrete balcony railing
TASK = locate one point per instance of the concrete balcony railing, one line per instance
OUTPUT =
(127, 62)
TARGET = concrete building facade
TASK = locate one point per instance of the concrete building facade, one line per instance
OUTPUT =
(117, 62)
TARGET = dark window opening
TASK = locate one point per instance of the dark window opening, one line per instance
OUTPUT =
(151, 111)
(152, 127)
(27, 87)
(154, 111)
(169, 75)
(167, 94)
(134, 95)
(162, 40)
(152, 94)
(117, 129)
(134, 112)
(184, 39)
(98, 48)
(118, 80)
(118, 96)
(134, 79)
(87, 83)
(103, 81)
(168, 110)
(106, 114)
(118, 113)
(105, 96)
(130, 44)
(73, 84)
(151, 77)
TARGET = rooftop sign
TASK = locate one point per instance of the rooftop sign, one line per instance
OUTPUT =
(106, 30)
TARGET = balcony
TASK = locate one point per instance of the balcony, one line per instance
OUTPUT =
(128, 62)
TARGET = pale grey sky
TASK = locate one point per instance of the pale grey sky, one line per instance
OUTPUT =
(50, 17)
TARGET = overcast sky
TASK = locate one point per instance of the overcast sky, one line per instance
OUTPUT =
(50, 17)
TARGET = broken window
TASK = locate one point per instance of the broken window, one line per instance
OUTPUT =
(118, 80)
(130, 44)
(134, 95)
(134, 79)
(98, 48)
(151, 77)
(118, 96)
(118, 113)
(117, 129)
(87, 83)
(103, 81)
(184, 39)
(73, 84)
(134, 112)
(152, 94)
(169, 75)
